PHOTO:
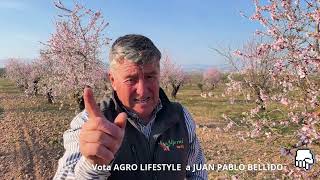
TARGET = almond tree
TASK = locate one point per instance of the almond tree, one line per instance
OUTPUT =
(291, 32)
(18, 71)
(72, 55)
(29, 77)
(41, 71)
(251, 73)
(33, 78)
(212, 77)
(172, 75)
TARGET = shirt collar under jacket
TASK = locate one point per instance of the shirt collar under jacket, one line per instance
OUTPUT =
(138, 120)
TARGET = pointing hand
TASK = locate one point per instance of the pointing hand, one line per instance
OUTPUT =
(100, 139)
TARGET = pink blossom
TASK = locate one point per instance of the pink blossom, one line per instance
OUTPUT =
(263, 96)
(71, 57)
(272, 31)
(254, 111)
(237, 53)
(279, 44)
(295, 119)
(172, 74)
(255, 133)
(301, 72)
(284, 101)
(263, 48)
(316, 15)
(212, 76)
(229, 126)
(268, 134)
(285, 123)
(284, 151)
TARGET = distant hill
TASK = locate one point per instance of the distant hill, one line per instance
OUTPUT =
(203, 67)
(3, 62)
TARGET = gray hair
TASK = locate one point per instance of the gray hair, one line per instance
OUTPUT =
(133, 47)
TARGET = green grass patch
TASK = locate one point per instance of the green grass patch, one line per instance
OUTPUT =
(8, 87)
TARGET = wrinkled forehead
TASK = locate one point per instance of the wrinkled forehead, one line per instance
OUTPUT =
(127, 66)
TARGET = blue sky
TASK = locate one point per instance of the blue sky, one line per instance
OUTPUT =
(184, 29)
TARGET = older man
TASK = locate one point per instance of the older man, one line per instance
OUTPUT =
(157, 132)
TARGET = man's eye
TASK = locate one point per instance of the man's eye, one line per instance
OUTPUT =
(130, 80)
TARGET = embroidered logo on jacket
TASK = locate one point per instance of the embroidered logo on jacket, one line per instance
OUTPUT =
(171, 143)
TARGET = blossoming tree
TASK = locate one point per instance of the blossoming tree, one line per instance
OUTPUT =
(290, 31)
(211, 77)
(172, 75)
(73, 53)
(18, 71)
(250, 75)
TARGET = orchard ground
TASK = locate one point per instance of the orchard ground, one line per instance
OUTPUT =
(31, 135)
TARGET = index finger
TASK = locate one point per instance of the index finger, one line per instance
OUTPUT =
(90, 104)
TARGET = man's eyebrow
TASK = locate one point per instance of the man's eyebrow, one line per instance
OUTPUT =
(131, 76)
(151, 73)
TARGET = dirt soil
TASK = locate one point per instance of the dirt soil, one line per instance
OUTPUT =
(31, 143)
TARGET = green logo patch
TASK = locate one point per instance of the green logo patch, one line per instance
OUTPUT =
(171, 143)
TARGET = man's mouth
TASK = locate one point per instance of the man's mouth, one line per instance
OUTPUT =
(142, 100)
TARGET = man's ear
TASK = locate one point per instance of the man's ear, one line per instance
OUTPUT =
(112, 81)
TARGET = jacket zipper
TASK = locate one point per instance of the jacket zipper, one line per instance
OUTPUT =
(134, 152)
(154, 157)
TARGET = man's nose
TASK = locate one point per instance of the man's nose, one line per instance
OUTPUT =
(141, 87)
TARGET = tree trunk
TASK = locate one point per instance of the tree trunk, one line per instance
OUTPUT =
(35, 87)
(212, 87)
(260, 102)
(49, 96)
(175, 90)
(80, 101)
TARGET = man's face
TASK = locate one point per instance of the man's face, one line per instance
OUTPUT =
(137, 86)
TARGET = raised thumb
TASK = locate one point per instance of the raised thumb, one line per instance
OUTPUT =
(121, 120)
